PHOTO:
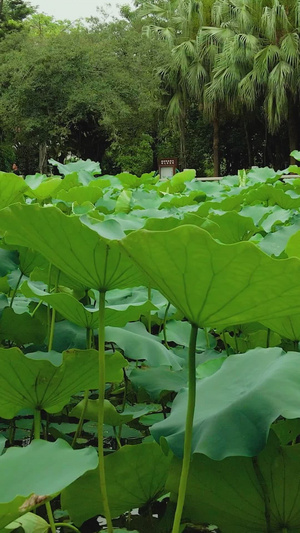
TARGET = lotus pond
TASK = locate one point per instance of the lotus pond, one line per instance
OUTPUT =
(150, 365)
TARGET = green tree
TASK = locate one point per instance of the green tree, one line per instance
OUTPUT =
(80, 90)
(177, 24)
(12, 15)
(259, 62)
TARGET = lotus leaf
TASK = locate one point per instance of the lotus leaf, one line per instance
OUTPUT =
(112, 417)
(232, 493)
(27, 383)
(69, 245)
(138, 344)
(135, 475)
(237, 404)
(33, 474)
(214, 284)
(87, 317)
(12, 188)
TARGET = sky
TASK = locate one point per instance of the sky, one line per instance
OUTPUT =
(73, 9)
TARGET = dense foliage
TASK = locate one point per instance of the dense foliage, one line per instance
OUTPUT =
(212, 82)
(127, 303)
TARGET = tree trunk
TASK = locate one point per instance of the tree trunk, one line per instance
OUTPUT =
(43, 158)
(265, 154)
(293, 129)
(249, 147)
(216, 154)
(182, 129)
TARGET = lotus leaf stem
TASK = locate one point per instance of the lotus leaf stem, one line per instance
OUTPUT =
(81, 420)
(86, 393)
(188, 430)
(165, 324)
(207, 338)
(101, 351)
(50, 517)
(149, 315)
(268, 337)
(36, 308)
(16, 290)
(65, 524)
(37, 424)
(225, 343)
(53, 315)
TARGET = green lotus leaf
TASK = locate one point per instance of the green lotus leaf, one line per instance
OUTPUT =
(296, 154)
(88, 166)
(123, 204)
(177, 182)
(221, 203)
(86, 317)
(30, 259)
(287, 430)
(209, 367)
(138, 344)
(33, 474)
(128, 180)
(39, 384)
(278, 217)
(287, 326)
(248, 340)
(68, 335)
(261, 174)
(30, 523)
(293, 245)
(68, 244)
(135, 475)
(158, 380)
(12, 188)
(45, 274)
(2, 443)
(179, 332)
(112, 417)
(214, 284)
(257, 212)
(271, 195)
(9, 261)
(79, 195)
(143, 199)
(232, 493)
(275, 243)
(21, 328)
(42, 189)
(231, 227)
(236, 406)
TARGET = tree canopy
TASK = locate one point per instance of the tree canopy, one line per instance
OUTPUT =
(213, 82)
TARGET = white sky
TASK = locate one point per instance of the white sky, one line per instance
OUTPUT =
(73, 9)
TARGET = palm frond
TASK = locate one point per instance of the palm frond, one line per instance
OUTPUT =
(250, 89)
(176, 107)
(160, 32)
(197, 77)
(274, 21)
(265, 60)
(290, 47)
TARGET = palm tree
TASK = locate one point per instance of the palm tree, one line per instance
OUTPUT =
(182, 76)
(259, 62)
(235, 30)
(275, 71)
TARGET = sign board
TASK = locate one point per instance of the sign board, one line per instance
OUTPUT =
(167, 167)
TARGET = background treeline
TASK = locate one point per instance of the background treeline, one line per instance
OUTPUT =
(215, 83)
